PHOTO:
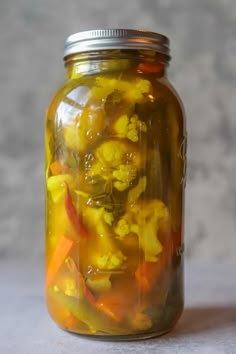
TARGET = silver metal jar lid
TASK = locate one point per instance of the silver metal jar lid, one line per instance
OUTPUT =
(105, 39)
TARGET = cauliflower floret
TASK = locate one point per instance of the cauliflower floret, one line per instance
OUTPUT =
(133, 91)
(141, 322)
(111, 260)
(137, 91)
(124, 175)
(129, 127)
(111, 153)
(116, 161)
(122, 228)
(99, 219)
(145, 221)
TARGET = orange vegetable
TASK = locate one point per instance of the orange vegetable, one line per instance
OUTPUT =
(62, 250)
(70, 321)
(111, 308)
(146, 67)
(148, 273)
(117, 303)
(57, 168)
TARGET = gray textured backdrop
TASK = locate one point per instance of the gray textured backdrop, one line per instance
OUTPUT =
(203, 70)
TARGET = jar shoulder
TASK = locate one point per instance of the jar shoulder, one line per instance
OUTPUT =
(94, 90)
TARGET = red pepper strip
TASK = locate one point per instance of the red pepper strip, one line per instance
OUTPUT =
(150, 67)
(72, 215)
(87, 293)
(73, 269)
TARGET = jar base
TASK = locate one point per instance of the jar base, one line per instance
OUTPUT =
(119, 338)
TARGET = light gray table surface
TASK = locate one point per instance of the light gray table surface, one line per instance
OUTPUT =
(208, 324)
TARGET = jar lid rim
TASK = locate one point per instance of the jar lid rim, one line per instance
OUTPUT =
(105, 39)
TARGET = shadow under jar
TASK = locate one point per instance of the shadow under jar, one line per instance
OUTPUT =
(115, 178)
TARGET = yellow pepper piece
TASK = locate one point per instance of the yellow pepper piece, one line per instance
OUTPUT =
(56, 185)
(135, 192)
(99, 283)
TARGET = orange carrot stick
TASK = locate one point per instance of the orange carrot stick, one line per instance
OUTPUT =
(111, 308)
(57, 168)
(63, 248)
(116, 303)
(148, 273)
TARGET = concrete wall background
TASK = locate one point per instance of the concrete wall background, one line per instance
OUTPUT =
(203, 70)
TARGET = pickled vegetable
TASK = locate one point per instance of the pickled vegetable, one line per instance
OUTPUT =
(114, 202)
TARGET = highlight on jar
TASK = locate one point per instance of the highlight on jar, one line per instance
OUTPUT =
(114, 201)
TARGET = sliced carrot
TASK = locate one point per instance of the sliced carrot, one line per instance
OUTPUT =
(57, 168)
(117, 302)
(70, 321)
(148, 273)
(111, 305)
(62, 250)
(72, 215)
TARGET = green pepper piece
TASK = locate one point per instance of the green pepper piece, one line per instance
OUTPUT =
(81, 310)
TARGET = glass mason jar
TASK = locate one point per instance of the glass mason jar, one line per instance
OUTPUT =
(115, 177)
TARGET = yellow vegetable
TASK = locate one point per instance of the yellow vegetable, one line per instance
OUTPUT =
(129, 127)
(56, 185)
(137, 91)
(111, 260)
(99, 219)
(87, 128)
(141, 322)
(133, 91)
(135, 192)
(122, 228)
(69, 287)
(111, 152)
(115, 160)
(124, 175)
(145, 220)
(99, 283)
